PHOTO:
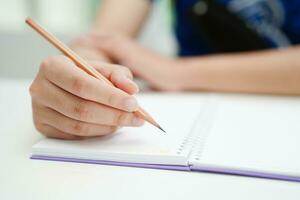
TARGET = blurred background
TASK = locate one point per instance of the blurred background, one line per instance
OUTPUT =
(21, 49)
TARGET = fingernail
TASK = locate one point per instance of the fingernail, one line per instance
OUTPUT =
(136, 88)
(126, 80)
(133, 85)
(136, 121)
(123, 79)
(130, 104)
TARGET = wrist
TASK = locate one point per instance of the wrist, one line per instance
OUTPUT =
(173, 76)
(194, 73)
(182, 74)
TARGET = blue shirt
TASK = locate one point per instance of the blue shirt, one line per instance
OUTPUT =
(276, 21)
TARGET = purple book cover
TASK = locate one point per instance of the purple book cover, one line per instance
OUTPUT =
(176, 167)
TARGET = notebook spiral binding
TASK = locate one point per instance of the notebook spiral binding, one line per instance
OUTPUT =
(202, 132)
(193, 143)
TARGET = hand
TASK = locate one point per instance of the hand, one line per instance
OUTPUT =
(161, 72)
(68, 103)
(84, 45)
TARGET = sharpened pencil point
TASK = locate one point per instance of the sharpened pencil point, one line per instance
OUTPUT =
(161, 129)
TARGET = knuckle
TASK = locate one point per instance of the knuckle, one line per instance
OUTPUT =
(112, 99)
(120, 118)
(48, 62)
(112, 129)
(37, 88)
(45, 64)
(33, 89)
(80, 128)
(109, 130)
(39, 127)
(77, 85)
(59, 58)
(101, 67)
(51, 62)
(129, 73)
(35, 114)
(118, 67)
(124, 69)
(81, 110)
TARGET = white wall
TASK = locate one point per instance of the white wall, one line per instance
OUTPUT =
(21, 49)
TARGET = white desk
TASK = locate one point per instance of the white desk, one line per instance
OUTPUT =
(22, 178)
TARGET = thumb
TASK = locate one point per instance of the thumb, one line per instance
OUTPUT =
(119, 75)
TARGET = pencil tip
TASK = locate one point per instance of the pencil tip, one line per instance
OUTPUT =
(161, 129)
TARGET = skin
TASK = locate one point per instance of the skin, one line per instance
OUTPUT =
(269, 72)
(69, 104)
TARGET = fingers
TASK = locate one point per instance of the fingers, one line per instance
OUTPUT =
(70, 126)
(74, 107)
(50, 131)
(70, 104)
(89, 42)
(62, 72)
(120, 76)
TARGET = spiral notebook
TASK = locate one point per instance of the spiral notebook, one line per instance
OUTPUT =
(247, 135)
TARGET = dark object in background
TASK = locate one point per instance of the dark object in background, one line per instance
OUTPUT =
(222, 30)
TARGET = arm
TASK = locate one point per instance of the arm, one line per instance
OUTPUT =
(273, 71)
(124, 17)
(114, 17)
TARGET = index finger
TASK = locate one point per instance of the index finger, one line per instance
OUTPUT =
(62, 72)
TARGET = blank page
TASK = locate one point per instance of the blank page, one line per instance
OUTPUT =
(174, 112)
(254, 133)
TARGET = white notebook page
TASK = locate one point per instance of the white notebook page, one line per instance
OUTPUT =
(254, 133)
(175, 113)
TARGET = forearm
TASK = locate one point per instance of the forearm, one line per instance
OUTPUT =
(121, 17)
(274, 71)
(114, 17)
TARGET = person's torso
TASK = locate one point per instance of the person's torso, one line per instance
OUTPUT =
(214, 26)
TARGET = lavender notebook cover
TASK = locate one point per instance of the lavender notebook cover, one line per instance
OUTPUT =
(175, 167)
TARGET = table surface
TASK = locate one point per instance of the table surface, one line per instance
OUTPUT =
(22, 178)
